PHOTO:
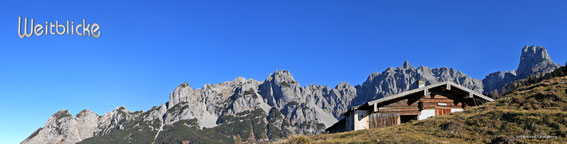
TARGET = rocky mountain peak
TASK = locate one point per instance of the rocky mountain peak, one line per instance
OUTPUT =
(121, 108)
(343, 85)
(283, 79)
(282, 75)
(406, 65)
(85, 112)
(185, 84)
(537, 51)
(393, 81)
(535, 59)
(62, 114)
(240, 79)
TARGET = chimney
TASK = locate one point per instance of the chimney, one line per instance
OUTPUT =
(420, 83)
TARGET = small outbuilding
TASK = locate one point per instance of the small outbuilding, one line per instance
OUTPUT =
(416, 104)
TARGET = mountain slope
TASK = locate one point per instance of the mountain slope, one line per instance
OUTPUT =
(537, 110)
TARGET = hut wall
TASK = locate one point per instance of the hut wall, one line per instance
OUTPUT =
(379, 120)
(361, 119)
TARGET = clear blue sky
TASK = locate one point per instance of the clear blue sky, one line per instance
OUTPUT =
(146, 49)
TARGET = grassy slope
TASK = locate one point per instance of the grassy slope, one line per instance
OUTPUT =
(538, 109)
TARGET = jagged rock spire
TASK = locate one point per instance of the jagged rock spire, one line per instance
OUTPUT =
(535, 59)
(406, 65)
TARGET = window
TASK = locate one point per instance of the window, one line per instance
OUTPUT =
(442, 111)
(407, 118)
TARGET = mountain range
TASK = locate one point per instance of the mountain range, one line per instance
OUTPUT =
(253, 111)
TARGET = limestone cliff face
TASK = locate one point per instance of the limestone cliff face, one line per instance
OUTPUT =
(62, 127)
(533, 62)
(403, 78)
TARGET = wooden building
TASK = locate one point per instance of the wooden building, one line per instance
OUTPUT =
(416, 104)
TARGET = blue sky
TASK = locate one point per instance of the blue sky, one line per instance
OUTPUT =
(147, 48)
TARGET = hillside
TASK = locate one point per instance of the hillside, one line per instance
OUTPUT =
(538, 109)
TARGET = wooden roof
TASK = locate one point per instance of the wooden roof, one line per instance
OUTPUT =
(448, 84)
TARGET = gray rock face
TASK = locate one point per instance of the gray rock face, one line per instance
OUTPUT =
(298, 104)
(195, 101)
(62, 127)
(114, 120)
(336, 100)
(534, 61)
(87, 123)
(403, 78)
(498, 79)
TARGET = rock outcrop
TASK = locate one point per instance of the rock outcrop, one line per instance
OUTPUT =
(534, 62)
(62, 127)
(403, 78)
